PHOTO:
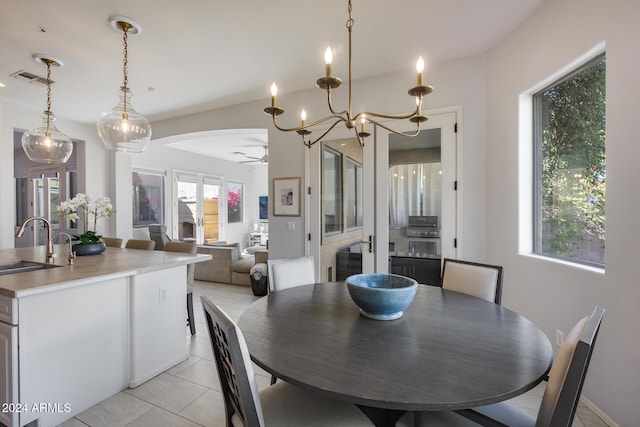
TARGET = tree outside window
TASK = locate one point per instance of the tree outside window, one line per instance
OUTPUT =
(234, 202)
(569, 126)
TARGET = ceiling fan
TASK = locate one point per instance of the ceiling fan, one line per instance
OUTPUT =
(262, 160)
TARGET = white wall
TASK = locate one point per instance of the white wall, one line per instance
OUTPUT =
(555, 295)
(109, 174)
(90, 151)
(286, 159)
(254, 177)
(552, 295)
(458, 82)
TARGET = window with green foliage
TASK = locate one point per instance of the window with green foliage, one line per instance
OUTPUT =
(569, 164)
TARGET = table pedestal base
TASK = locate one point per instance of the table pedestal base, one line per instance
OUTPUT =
(381, 417)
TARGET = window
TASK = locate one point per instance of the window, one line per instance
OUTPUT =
(331, 190)
(234, 202)
(353, 193)
(148, 198)
(569, 166)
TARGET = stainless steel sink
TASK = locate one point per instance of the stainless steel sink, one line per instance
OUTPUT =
(20, 266)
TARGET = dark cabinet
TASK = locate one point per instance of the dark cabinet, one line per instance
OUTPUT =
(423, 270)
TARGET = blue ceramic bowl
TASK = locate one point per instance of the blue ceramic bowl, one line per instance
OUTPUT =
(382, 296)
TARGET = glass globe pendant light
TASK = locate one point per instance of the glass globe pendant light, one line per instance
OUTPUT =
(122, 128)
(46, 144)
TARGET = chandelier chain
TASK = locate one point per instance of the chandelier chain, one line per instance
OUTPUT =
(349, 28)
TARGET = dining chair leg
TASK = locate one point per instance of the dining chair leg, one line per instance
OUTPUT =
(190, 316)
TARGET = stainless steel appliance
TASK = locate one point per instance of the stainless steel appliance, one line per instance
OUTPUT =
(423, 226)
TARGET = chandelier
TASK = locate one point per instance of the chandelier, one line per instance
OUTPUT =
(122, 128)
(46, 144)
(329, 82)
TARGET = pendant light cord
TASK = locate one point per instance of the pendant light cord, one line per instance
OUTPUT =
(125, 81)
(125, 62)
(48, 113)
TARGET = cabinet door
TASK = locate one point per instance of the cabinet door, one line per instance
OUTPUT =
(158, 322)
(8, 371)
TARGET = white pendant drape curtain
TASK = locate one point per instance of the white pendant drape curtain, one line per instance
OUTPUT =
(414, 189)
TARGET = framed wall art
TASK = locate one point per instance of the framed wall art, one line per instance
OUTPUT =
(286, 196)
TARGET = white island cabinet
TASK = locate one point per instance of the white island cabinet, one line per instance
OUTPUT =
(8, 359)
(73, 349)
(88, 331)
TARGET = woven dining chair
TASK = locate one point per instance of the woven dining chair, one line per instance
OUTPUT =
(113, 242)
(472, 278)
(277, 405)
(561, 395)
(189, 248)
(140, 244)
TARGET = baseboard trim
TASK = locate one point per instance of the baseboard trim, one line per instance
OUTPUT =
(604, 417)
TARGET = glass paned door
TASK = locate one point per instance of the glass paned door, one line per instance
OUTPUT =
(428, 161)
(187, 202)
(196, 208)
(371, 247)
(211, 221)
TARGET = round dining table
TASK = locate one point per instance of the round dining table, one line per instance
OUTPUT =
(448, 351)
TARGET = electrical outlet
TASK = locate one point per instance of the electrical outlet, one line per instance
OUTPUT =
(559, 337)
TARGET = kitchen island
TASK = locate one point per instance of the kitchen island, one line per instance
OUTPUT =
(74, 335)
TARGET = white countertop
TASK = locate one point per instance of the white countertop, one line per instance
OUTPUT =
(112, 263)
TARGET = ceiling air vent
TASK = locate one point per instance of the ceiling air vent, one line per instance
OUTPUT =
(28, 77)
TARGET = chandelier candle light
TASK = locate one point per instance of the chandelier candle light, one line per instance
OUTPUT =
(46, 144)
(122, 128)
(329, 82)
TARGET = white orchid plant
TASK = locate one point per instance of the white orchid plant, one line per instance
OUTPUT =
(81, 207)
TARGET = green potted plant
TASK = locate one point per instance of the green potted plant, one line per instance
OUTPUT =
(82, 207)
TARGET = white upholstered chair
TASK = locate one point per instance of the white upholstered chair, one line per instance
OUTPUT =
(285, 273)
(290, 272)
(561, 395)
(472, 278)
(278, 405)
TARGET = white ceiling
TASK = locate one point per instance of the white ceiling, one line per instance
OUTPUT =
(204, 54)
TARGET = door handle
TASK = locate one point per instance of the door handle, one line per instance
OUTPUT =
(369, 242)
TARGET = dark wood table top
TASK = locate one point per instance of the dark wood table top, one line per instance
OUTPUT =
(448, 351)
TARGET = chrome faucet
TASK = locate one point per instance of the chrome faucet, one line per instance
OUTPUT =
(50, 255)
(72, 254)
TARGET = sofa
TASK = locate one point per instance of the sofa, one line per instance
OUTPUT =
(226, 265)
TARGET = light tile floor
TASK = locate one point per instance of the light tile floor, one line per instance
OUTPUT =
(189, 394)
